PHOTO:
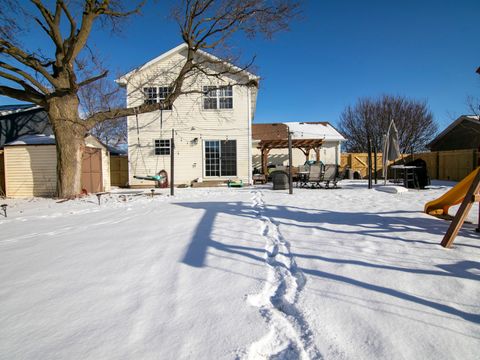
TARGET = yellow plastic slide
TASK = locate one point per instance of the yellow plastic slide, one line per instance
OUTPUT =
(452, 197)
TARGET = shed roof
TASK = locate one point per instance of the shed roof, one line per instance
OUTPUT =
(37, 139)
(475, 119)
(42, 139)
(17, 108)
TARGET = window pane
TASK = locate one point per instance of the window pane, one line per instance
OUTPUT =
(212, 158)
(226, 103)
(150, 95)
(229, 157)
(209, 103)
(162, 147)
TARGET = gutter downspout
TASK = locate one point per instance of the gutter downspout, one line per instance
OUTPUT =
(249, 136)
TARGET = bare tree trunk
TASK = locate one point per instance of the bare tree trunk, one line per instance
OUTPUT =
(69, 135)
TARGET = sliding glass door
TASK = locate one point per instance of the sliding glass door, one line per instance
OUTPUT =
(220, 158)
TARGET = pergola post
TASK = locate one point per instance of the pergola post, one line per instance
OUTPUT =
(317, 154)
(265, 152)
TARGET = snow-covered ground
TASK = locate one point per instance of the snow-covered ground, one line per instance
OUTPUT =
(221, 273)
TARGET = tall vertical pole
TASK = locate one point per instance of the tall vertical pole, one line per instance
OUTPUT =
(290, 180)
(375, 163)
(369, 163)
(172, 163)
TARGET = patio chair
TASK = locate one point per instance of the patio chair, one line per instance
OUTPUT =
(331, 175)
(315, 176)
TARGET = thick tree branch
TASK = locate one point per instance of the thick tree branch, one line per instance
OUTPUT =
(53, 28)
(22, 95)
(22, 57)
(93, 79)
(26, 76)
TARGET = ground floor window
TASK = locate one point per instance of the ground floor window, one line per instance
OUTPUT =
(221, 158)
(162, 147)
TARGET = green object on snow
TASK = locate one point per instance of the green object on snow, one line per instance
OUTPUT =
(235, 183)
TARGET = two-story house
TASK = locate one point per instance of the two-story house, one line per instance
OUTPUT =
(211, 123)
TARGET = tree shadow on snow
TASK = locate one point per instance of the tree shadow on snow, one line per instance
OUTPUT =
(380, 226)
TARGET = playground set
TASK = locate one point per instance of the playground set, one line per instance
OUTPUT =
(466, 192)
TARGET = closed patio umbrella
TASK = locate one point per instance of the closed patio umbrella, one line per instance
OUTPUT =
(391, 147)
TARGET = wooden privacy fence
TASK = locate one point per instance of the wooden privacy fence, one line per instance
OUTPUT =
(2, 174)
(451, 165)
(359, 162)
(119, 171)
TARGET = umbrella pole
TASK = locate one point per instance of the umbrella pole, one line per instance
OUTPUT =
(369, 163)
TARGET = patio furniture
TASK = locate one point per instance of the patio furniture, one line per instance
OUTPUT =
(315, 176)
(331, 175)
(261, 178)
(279, 180)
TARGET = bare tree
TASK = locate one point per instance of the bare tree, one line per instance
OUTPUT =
(371, 118)
(55, 80)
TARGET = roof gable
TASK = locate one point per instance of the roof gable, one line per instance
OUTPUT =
(470, 118)
(124, 78)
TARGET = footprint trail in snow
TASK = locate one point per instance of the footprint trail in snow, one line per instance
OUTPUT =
(289, 336)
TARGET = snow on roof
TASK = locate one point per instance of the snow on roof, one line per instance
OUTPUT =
(314, 130)
(12, 109)
(122, 80)
(37, 139)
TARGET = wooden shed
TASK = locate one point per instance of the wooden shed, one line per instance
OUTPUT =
(463, 133)
(30, 164)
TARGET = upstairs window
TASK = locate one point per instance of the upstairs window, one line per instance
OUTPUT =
(162, 147)
(163, 92)
(150, 95)
(154, 95)
(218, 97)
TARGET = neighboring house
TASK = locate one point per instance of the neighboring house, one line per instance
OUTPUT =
(22, 119)
(463, 133)
(31, 163)
(211, 125)
(310, 141)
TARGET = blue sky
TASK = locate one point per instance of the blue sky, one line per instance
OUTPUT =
(339, 51)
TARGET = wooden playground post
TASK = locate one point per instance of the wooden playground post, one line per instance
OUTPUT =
(471, 197)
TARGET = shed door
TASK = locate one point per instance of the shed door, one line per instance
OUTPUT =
(92, 179)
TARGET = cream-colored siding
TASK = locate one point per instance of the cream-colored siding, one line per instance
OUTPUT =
(30, 170)
(279, 157)
(191, 123)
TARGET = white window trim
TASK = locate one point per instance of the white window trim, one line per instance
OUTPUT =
(218, 98)
(162, 147)
(157, 94)
(204, 172)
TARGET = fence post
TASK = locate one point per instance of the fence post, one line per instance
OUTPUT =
(437, 172)
(474, 159)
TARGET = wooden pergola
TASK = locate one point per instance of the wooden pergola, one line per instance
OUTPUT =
(305, 145)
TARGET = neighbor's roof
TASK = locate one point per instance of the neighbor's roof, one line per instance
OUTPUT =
(122, 80)
(37, 139)
(300, 130)
(16, 108)
(470, 118)
(314, 130)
